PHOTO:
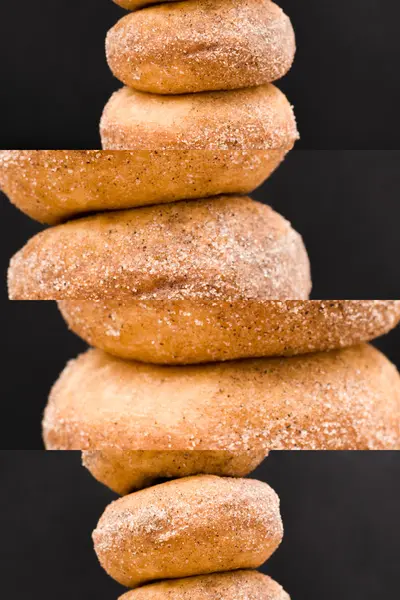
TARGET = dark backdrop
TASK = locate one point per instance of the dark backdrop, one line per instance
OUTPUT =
(345, 204)
(55, 81)
(340, 513)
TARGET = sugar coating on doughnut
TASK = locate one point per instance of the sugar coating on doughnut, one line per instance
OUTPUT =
(340, 400)
(191, 332)
(54, 185)
(225, 247)
(253, 118)
(125, 471)
(201, 45)
(234, 585)
(190, 526)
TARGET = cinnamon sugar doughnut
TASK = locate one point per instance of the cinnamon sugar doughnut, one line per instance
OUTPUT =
(340, 400)
(184, 527)
(246, 585)
(258, 118)
(226, 247)
(201, 45)
(125, 471)
(54, 185)
(184, 332)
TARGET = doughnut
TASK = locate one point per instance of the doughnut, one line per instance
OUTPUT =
(183, 332)
(135, 4)
(201, 45)
(258, 118)
(234, 585)
(228, 247)
(52, 186)
(185, 527)
(124, 471)
(339, 400)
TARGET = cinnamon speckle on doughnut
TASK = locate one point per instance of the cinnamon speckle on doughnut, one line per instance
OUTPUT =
(196, 525)
(227, 247)
(54, 185)
(253, 118)
(198, 331)
(127, 470)
(201, 45)
(340, 400)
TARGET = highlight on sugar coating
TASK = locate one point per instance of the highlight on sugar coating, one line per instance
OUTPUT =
(201, 45)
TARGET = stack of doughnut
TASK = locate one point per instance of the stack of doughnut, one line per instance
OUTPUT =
(207, 352)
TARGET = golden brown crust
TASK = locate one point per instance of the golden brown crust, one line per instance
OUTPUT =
(225, 247)
(54, 185)
(243, 584)
(201, 45)
(125, 471)
(340, 400)
(184, 527)
(185, 332)
(258, 118)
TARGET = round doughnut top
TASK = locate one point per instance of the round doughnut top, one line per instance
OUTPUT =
(201, 45)
(52, 186)
(258, 118)
(135, 4)
(246, 584)
(193, 332)
(345, 399)
(184, 527)
(225, 247)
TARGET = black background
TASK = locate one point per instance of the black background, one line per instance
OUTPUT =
(340, 512)
(55, 81)
(345, 204)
